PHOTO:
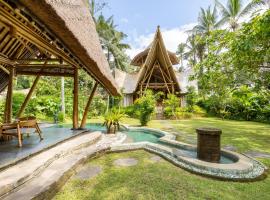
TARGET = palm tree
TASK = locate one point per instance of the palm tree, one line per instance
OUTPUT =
(180, 52)
(207, 21)
(195, 49)
(111, 41)
(233, 11)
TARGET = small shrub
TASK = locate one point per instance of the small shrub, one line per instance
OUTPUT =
(145, 107)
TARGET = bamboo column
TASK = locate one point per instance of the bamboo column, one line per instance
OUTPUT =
(75, 99)
(8, 108)
(27, 99)
(83, 123)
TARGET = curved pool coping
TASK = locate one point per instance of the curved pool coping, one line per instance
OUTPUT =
(243, 169)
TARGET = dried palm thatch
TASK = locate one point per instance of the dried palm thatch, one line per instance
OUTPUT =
(61, 29)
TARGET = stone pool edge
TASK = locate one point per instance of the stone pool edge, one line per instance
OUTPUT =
(244, 169)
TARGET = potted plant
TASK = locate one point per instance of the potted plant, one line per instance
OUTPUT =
(112, 121)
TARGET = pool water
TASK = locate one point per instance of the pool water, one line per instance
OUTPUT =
(141, 136)
(148, 136)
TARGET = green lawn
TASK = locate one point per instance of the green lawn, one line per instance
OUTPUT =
(162, 180)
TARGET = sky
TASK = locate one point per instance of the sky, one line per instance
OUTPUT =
(140, 18)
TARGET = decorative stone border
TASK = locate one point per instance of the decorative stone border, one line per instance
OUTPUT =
(244, 168)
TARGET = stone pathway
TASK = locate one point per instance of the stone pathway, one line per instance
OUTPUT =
(125, 162)
(88, 172)
(44, 180)
(257, 154)
(156, 159)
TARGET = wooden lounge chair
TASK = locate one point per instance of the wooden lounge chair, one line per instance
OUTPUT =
(14, 129)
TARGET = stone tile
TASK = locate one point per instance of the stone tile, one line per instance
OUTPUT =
(88, 172)
(156, 159)
(125, 162)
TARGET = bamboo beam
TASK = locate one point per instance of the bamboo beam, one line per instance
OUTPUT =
(8, 108)
(75, 99)
(5, 60)
(83, 123)
(57, 74)
(42, 65)
(27, 99)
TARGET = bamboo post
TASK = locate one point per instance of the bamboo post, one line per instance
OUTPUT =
(8, 108)
(27, 99)
(83, 123)
(75, 99)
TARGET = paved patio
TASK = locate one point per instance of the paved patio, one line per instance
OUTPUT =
(10, 153)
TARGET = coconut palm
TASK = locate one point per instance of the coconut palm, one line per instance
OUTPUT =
(180, 52)
(111, 41)
(207, 21)
(233, 11)
(195, 49)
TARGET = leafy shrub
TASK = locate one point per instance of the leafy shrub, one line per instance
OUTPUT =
(97, 107)
(182, 113)
(198, 111)
(171, 105)
(130, 111)
(61, 117)
(17, 101)
(191, 98)
(112, 120)
(145, 107)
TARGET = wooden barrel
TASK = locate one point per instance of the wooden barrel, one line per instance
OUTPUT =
(208, 144)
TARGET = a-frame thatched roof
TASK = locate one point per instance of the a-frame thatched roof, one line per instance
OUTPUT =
(156, 63)
(63, 29)
(158, 59)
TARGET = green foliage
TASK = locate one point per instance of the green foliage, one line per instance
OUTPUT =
(60, 117)
(171, 104)
(191, 98)
(2, 110)
(97, 107)
(112, 120)
(17, 101)
(145, 107)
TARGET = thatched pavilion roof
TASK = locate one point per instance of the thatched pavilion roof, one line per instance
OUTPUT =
(140, 58)
(68, 31)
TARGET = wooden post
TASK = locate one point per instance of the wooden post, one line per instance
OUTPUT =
(75, 99)
(8, 108)
(27, 99)
(83, 123)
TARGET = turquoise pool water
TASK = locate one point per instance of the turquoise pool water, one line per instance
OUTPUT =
(141, 136)
(149, 136)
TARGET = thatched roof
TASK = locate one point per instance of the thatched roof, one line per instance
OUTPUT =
(72, 23)
(127, 82)
(140, 58)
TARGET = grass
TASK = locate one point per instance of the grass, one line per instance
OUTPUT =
(161, 180)
(245, 136)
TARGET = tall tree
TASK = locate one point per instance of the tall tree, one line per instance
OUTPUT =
(233, 11)
(207, 21)
(181, 52)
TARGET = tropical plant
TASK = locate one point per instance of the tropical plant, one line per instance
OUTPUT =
(180, 53)
(145, 107)
(207, 21)
(234, 11)
(191, 98)
(112, 120)
(171, 104)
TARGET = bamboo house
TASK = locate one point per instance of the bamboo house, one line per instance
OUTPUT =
(156, 72)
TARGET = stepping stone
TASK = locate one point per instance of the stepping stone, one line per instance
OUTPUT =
(125, 162)
(155, 159)
(230, 148)
(257, 154)
(88, 172)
